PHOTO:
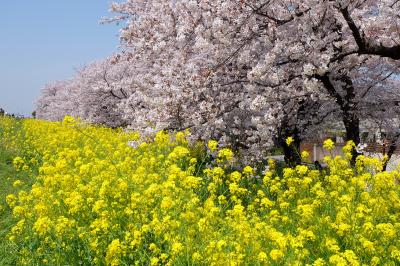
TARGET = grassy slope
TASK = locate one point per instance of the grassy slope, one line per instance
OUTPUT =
(7, 177)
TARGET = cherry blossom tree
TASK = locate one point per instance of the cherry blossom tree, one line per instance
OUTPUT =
(56, 100)
(103, 85)
(223, 58)
(93, 94)
(244, 72)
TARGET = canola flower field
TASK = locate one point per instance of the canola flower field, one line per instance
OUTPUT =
(87, 195)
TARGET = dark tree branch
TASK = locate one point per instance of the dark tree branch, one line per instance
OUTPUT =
(279, 21)
(343, 55)
(394, 3)
(114, 95)
(330, 88)
(375, 83)
(366, 46)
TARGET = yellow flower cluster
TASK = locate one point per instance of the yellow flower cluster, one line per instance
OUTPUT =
(289, 141)
(96, 200)
(329, 144)
(212, 145)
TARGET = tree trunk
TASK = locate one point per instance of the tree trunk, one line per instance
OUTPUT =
(352, 126)
(391, 150)
(347, 105)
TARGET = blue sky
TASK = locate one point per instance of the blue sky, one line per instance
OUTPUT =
(46, 40)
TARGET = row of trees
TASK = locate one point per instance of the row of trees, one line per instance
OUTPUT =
(4, 113)
(249, 73)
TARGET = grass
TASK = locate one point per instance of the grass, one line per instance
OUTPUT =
(8, 175)
(275, 151)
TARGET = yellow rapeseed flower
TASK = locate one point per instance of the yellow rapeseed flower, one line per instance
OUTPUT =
(276, 254)
(212, 145)
(262, 257)
(225, 154)
(289, 141)
(17, 183)
(329, 144)
(305, 155)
